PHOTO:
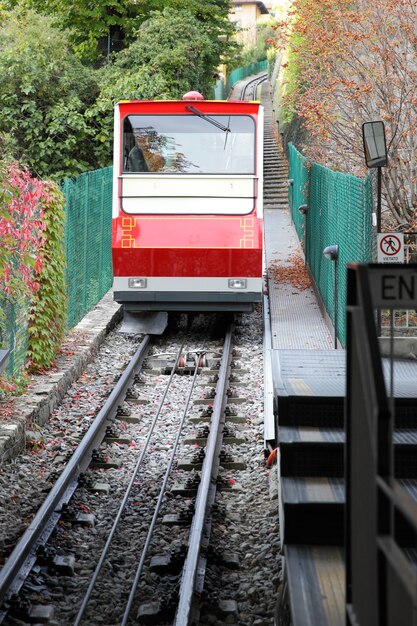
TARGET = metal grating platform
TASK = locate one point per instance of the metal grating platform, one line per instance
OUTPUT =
(296, 319)
(321, 373)
(310, 373)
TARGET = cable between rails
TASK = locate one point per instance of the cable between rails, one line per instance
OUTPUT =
(208, 481)
(160, 498)
(100, 563)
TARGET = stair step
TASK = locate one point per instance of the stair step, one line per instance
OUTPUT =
(313, 510)
(316, 451)
(316, 585)
(311, 451)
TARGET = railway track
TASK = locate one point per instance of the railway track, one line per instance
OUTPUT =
(181, 507)
(32, 543)
(250, 87)
(275, 163)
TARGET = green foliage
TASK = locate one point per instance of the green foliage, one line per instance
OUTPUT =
(91, 26)
(264, 36)
(44, 93)
(103, 25)
(55, 118)
(293, 78)
(214, 15)
(47, 319)
(160, 64)
(174, 50)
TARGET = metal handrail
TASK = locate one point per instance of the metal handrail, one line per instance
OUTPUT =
(398, 496)
(377, 506)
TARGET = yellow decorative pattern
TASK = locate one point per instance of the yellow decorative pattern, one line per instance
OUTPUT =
(128, 225)
(242, 234)
(247, 224)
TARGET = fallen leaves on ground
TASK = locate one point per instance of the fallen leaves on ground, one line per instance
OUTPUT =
(294, 273)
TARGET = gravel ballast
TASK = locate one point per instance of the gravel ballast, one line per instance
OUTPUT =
(243, 567)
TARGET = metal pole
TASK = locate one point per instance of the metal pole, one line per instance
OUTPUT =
(306, 240)
(379, 202)
(335, 304)
(378, 230)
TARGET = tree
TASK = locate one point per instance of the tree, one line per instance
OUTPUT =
(356, 61)
(173, 53)
(264, 44)
(104, 26)
(44, 92)
(94, 28)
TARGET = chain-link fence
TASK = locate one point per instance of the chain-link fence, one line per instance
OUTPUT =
(243, 72)
(88, 259)
(87, 241)
(222, 88)
(15, 332)
(339, 212)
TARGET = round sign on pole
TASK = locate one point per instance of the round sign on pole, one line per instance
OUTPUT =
(390, 248)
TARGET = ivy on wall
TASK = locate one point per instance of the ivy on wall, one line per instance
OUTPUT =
(47, 319)
(32, 260)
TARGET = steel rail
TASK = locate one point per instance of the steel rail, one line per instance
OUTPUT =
(160, 497)
(206, 489)
(105, 550)
(255, 82)
(11, 576)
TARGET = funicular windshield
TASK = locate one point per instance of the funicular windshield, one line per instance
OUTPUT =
(189, 144)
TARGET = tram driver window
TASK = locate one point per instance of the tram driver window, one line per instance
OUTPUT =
(189, 144)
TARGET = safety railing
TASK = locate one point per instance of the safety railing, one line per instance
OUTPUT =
(333, 209)
(381, 516)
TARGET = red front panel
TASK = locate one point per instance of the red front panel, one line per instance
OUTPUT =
(200, 246)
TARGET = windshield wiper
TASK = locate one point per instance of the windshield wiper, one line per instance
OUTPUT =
(225, 129)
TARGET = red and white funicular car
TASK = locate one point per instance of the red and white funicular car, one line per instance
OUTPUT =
(187, 205)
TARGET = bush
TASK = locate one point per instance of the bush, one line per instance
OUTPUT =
(161, 64)
(44, 91)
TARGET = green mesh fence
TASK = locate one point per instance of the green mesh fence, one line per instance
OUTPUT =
(15, 334)
(242, 72)
(339, 213)
(219, 91)
(298, 189)
(88, 240)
